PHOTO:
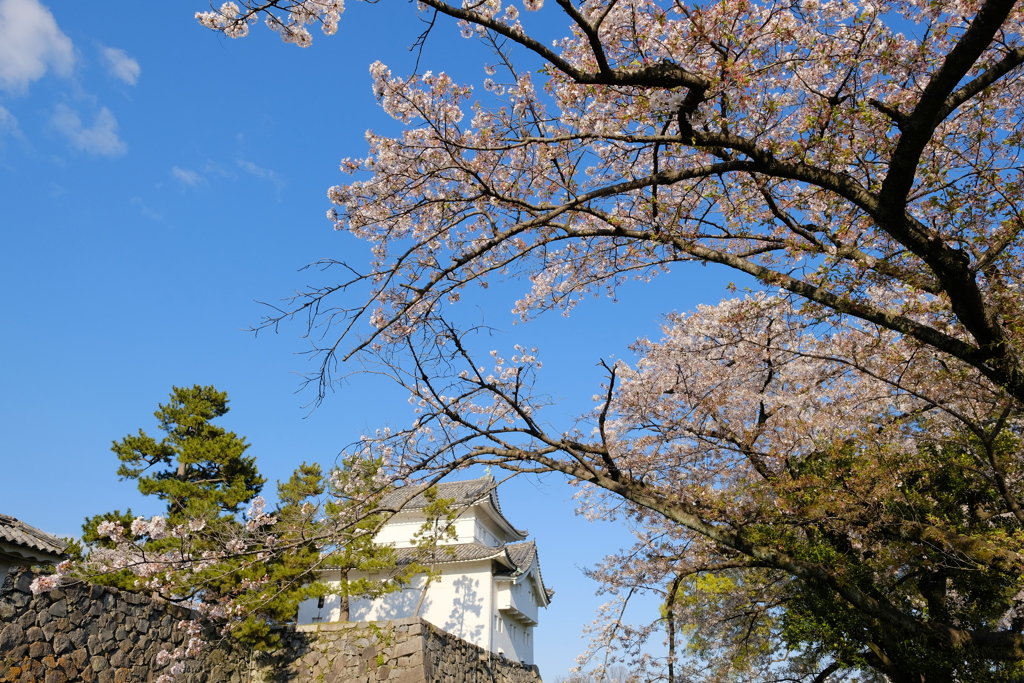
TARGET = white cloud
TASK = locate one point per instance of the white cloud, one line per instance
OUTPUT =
(121, 66)
(8, 124)
(212, 168)
(30, 44)
(101, 138)
(261, 172)
(145, 209)
(187, 176)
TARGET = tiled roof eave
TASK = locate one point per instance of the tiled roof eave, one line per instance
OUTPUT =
(17, 534)
(27, 556)
(465, 494)
(458, 553)
(528, 562)
(492, 497)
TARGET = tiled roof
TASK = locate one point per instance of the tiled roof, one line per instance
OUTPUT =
(516, 558)
(21, 535)
(455, 552)
(463, 493)
(524, 556)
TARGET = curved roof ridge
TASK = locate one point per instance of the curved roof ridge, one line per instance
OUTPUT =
(463, 493)
(525, 555)
(13, 530)
(454, 552)
(493, 493)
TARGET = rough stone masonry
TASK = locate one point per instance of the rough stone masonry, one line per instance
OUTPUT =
(91, 633)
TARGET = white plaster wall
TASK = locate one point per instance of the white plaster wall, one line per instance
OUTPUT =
(309, 610)
(520, 596)
(399, 531)
(485, 529)
(472, 527)
(511, 639)
(463, 601)
(469, 528)
(459, 601)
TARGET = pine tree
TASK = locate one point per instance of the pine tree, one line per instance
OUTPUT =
(200, 469)
(252, 568)
(268, 590)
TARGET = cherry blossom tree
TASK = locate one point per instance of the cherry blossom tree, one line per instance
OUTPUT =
(825, 476)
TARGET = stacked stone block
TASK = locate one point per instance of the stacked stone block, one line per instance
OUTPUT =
(400, 651)
(97, 634)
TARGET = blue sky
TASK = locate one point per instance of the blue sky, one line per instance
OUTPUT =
(156, 181)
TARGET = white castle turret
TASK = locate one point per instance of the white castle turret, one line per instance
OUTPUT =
(489, 589)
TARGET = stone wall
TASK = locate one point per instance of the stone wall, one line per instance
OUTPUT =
(400, 651)
(96, 634)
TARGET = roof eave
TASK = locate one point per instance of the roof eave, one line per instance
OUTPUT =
(26, 557)
(494, 508)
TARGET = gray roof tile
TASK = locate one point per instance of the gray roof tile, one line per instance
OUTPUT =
(18, 533)
(517, 558)
(463, 493)
(450, 553)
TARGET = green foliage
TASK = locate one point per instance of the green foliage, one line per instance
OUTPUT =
(312, 535)
(254, 571)
(122, 578)
(92, 539)
(438, 527)
(352, 520)
(267, 587)
(202, 473)
(199, 468)
(930, 544)
(428, 540)
(931, 583)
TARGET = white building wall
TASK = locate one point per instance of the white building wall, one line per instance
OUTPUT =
(460, 602)
(469, 528)
(309, 610)
(512, 633)
(465, 600)
(399, 531)
(511, 639)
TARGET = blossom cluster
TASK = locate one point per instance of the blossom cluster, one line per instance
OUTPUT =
(831, 151)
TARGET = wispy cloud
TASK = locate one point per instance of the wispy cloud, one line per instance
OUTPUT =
(120, 65)
(101, 138)
(187, 176)
(31, 43)
(145, 209)
(8, 124)
(260, 172)
(211, 172)
(212, 169)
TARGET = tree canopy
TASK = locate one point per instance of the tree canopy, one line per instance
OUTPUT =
(249, 569)
(199, 468)
(192, 553)
(825, 474)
